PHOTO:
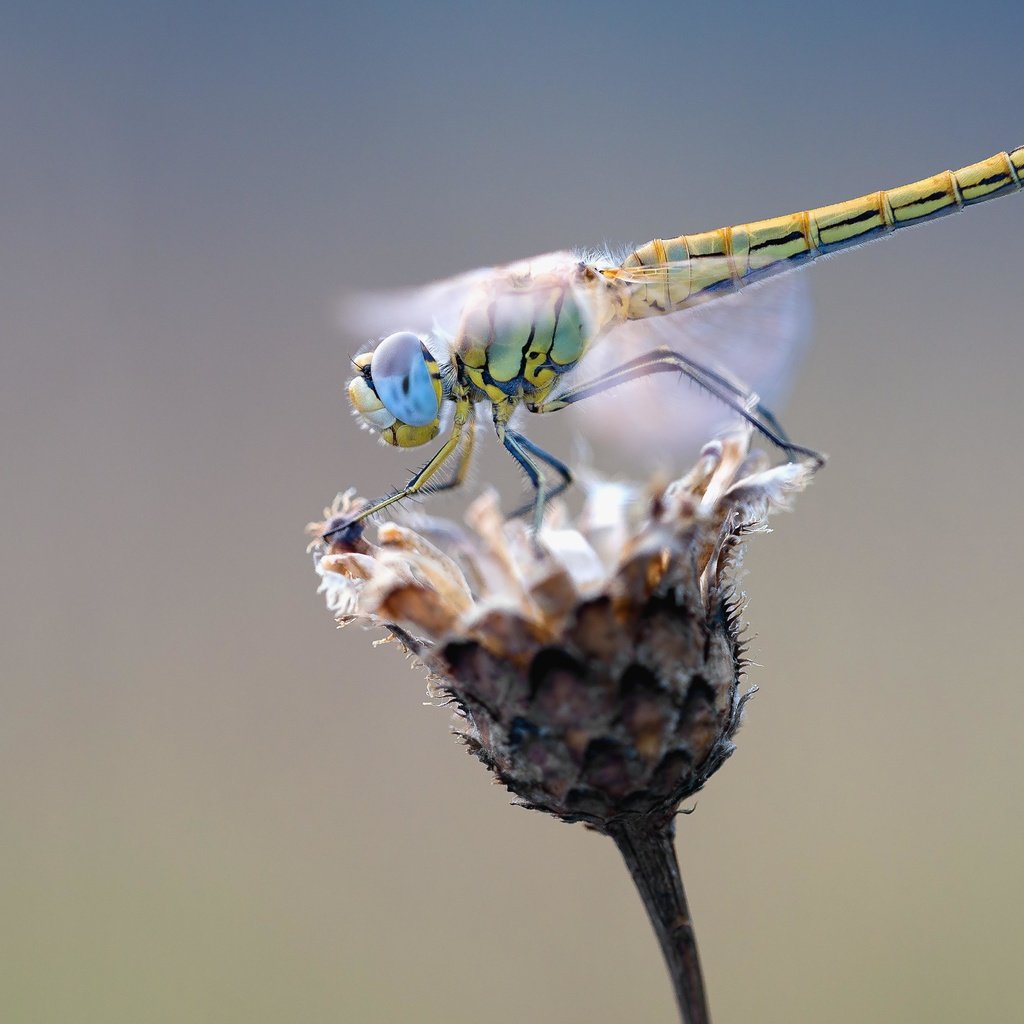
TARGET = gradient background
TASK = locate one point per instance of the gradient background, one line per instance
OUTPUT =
(213, 806)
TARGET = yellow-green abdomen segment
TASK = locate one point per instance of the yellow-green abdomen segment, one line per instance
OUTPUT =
(520, 340)
(682, 271)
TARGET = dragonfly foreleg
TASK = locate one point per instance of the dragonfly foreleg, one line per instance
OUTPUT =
(458, 478)
(419, 482)
(521, 448)
(664, 360)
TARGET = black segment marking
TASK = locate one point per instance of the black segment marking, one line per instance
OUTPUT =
(850, 221)
(992, 180)
(791, 237)
(924, 199)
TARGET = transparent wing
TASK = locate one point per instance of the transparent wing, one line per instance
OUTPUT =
(436, 308)
(424, 309)
(754, 337)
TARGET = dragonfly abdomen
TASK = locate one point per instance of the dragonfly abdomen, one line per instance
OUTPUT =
(679, 272)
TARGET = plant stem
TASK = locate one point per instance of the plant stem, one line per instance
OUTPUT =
(646, 846)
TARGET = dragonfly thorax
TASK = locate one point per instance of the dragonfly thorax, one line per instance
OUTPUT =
(521, 332)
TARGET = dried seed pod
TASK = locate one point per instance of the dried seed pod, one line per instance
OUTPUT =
(595, 669)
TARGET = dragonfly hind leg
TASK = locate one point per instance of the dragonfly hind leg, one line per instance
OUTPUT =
(665, 360)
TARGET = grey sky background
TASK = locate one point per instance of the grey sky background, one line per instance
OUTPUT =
(216, 807)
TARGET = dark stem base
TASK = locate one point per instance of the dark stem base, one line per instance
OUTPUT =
(646, 846)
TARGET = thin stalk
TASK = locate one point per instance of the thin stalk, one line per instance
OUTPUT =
(646, 846)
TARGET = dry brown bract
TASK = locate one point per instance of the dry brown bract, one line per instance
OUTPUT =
(595, 669)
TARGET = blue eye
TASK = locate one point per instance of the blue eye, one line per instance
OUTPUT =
(402, 379)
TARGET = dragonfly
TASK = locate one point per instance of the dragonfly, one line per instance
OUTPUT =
(512, 336)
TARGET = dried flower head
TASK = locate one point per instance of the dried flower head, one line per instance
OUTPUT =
(594, 668)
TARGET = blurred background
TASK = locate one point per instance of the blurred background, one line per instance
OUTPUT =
(216, 807)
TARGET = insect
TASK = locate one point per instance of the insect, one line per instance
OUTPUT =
(518, 331)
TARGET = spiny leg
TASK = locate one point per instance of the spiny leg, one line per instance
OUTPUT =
(458, 478)
(420, 479)
(776, 434)
(665, 360)
(741, 392)
(661, 360)
(526, 448)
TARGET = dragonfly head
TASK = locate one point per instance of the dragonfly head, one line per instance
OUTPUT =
(397, 390)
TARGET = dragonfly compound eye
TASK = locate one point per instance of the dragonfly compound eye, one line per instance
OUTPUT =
(364, 399)
(406, 379)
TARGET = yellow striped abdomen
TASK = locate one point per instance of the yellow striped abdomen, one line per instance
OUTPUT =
(686, 270)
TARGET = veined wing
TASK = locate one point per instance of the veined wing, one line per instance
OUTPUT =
(422, 309)
(436, 309)
(753, 337)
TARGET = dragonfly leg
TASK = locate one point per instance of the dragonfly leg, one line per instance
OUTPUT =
(420, 480)
(458, 478)
(521, 449)
(745, 394)
(664, 360)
